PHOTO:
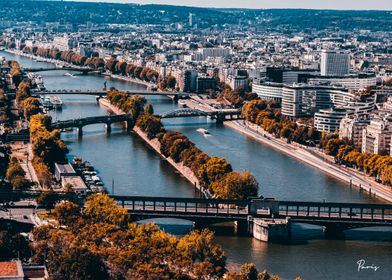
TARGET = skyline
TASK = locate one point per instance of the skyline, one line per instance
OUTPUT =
(263, 4)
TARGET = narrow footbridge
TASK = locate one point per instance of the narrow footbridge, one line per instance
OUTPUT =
(210, 211)
(80, 123)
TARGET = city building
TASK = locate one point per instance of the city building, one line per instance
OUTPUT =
(351, 128)
(328, 120)
(334, 63)
(63, 170)
(302, 100)
(205, 83)
(268, 90)
(190, 81)
(63, 43)
(376, 137)
(351, 82)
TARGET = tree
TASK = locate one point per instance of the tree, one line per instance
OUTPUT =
(102, 208)
(78, 263)
(171, 82)
(13, 246)
(199, 247)
(47, 200)
(213, 170)
(67, 213)
(249, 271)
(30, 106)
(149, 109)
(235, 185)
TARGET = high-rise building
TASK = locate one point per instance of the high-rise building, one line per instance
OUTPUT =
(190, 19)
(334, 63)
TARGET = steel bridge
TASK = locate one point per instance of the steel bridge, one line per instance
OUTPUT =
(210, 211)
(84, 70)
(218, 115)
(107, 120)
(101, 92)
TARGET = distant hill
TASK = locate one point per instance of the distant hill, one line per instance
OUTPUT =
(284, 19)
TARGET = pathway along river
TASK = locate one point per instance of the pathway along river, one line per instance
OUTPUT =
(137, 170)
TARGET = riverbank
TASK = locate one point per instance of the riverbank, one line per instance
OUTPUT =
(56, 61)
(185, 171)
(306, 156)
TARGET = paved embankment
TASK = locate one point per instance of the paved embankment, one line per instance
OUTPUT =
(304, 155)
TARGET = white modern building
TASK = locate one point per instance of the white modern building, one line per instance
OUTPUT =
(376, 137)
(328, 120)
(304, 100)
(268, 90)
(334, 63)
(352, 82)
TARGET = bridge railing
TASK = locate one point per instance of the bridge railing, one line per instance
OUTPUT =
(183, 206)
(348, 211)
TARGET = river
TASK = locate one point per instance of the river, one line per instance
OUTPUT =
(136, 170)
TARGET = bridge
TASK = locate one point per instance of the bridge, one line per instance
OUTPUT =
(265, 219)
(218, 115)
(107, 120)
(96, 92)
(84, 70)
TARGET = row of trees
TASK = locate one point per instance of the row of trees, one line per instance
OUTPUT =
(378, 166)
(27, 105)
(213, 173)
(97, 242)
(47, 147)
(267, 115)
(114, 66)
(67, 56)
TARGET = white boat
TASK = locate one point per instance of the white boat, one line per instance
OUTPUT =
(56, 101)
(203, 131)
(69, 74)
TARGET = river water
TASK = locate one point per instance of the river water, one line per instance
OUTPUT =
(135, 169)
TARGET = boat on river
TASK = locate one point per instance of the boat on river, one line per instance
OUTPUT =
(203, 131)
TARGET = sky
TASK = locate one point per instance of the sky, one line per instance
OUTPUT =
(307, 4)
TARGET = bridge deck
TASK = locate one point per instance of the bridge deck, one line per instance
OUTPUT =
(307, 212)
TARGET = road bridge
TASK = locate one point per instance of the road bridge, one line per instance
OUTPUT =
(266, 219)
(220, 115)
(107, 120)
(84, 70)
(101, 93)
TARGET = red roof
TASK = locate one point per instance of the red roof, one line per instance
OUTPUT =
(8, 269)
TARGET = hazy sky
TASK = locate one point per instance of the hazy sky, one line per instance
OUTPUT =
(308, 4)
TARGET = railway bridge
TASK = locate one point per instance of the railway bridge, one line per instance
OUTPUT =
(265, 219)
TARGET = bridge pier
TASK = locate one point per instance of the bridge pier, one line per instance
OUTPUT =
(220, 118)
(129, 125)
(108, 128)
(267, 230)
(334, 231)
(243, 228)
(80, 131)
